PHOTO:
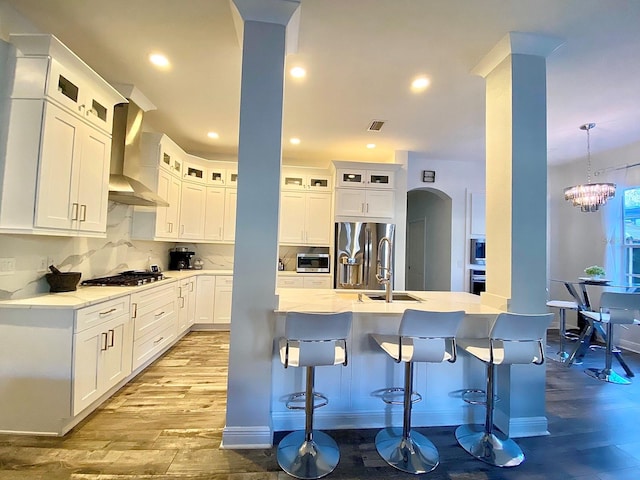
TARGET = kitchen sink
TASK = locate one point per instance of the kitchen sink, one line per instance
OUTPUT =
(396, 297)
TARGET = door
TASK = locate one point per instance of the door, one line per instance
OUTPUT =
(230, 203)
(292, 217)
(350, 202)
(192, 211)
(93, 187)
(416, 236)
(56, 199)
(318, 219)
(214, 217)
(117, 358)
(167, 217)
(379, 203)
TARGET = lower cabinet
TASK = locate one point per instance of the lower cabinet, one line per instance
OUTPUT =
(102, 353)
(304, 281)
(155, 318)
(222, 301)
(205, 298)
(186, 304)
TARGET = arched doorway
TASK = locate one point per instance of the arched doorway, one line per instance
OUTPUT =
(428, 252)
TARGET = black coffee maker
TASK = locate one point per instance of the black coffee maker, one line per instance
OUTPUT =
(180, 258)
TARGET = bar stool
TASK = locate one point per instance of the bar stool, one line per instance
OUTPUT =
(422, 337)
(616, 308)
(514, 339)
(311, 340)
(562, 306)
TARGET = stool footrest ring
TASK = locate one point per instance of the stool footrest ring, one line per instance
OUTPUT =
(388, 395)
(468, 395)
(297, 400)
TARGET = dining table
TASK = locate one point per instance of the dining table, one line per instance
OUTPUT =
(588, 328)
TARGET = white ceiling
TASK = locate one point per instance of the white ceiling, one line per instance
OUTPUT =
(360, 57)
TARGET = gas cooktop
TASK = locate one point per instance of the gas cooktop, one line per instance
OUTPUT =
(125, 279)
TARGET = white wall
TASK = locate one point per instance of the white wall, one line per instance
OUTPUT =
(453, 178)
(577, 239)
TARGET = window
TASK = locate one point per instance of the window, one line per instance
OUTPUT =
(631, 233)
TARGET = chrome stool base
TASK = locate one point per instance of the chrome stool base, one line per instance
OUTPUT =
(607, 376)
(308, 459)
(493, 448)
(414, 454)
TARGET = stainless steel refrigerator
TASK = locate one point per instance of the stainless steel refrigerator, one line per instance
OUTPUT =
(356, 254)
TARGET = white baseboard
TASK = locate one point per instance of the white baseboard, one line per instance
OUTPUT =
(251, 437)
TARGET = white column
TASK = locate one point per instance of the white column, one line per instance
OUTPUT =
(516, 213)
(263, 26)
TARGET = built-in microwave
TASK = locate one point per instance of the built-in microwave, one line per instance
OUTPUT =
(478, 251)
(312, 263)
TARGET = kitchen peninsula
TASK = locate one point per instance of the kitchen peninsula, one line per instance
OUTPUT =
(354, 390)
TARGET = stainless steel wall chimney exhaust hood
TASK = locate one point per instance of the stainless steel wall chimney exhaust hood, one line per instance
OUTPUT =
(125, 144)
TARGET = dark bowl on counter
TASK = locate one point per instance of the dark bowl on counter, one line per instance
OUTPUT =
(63, 281)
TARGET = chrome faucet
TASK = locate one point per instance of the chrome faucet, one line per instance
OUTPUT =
(384, 274)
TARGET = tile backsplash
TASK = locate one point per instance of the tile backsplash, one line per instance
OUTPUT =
(93, 257)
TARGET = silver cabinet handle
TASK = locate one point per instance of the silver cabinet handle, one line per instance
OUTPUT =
(113, 337)
(170, 227)
(362, 207)
(134, 307)
(367, 207)
(104, 342)
(160, 314)
(74, 211)
(183, 302)
(111, 310)
(158, 341)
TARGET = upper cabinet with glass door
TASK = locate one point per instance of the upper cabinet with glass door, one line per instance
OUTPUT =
(356, 178)
(303, 179)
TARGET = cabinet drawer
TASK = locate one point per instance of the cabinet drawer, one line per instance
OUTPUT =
(158, 341)
(102, 312)
(290, 282)
(224, 280)
(317, 282)
(148, 317)
(149, 295)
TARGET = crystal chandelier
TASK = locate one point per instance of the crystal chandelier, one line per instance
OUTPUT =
(589, 196)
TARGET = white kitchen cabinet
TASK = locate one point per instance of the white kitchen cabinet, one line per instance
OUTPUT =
(364, 202)
(478, 206)
(298, 179)
(214, 214)
(205, 299)
(304, 280)
(230, 207)
(305, 218)
(155, 317)
(73, 175)
(55, 169)
(167, 218)
(222, 301)
(361, 178)
(186, 304)
(193, 200)
(102, 352)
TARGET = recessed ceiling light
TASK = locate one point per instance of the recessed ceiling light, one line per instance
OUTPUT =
(159, 60)
(298, 72)
(419, 84)
(213, 135)
(371, 145)
(295, 141)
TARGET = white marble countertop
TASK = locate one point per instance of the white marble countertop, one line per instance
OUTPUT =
(323, 301)
(85, 296)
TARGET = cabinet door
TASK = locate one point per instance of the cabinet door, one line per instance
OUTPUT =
(93, 188)
(478, 213)
(379, 203)
(230, 204)
(292, 217)
(167, 217)
(380, 179)
(351, 178)
(318, 219)
(57, 185)
(192, 211)
(116, 363)
(205, 297)
(222, 302)
(350, 202)
(214, 217)
(191, 301)
(88, 349)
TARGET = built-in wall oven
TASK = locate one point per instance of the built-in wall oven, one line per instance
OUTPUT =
(478, 282)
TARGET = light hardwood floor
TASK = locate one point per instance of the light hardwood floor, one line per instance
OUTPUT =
(167, 424)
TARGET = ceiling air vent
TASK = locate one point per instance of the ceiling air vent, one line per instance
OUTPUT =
(375, 126)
